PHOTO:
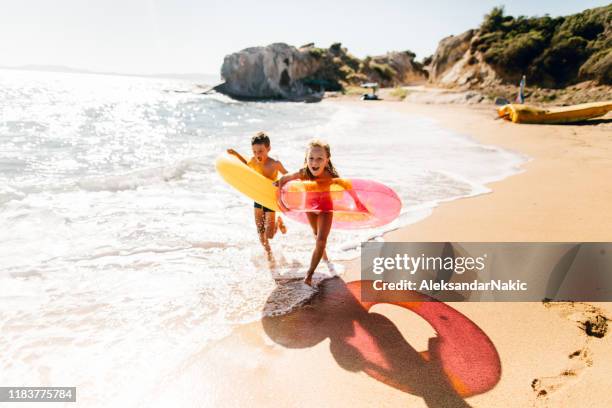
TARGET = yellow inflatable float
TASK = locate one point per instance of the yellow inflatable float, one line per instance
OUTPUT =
(247, 181)
(518, 113)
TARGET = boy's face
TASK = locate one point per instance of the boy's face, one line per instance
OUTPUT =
(260, 151)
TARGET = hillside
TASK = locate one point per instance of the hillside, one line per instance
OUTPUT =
(554, 54)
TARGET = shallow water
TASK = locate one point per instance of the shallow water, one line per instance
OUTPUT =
(122, 250)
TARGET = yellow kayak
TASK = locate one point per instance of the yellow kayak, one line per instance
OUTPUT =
(518, 113)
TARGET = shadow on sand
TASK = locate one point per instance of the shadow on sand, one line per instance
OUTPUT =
(461, 361)
(586, 122)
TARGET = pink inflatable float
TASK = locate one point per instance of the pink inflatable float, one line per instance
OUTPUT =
(356, 203)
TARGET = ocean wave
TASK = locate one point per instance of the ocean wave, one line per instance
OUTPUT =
(137, 178)
(8, 193)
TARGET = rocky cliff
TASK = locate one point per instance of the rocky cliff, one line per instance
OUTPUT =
(551, 52)
(281, 71)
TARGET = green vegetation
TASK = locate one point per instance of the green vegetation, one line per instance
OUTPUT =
(399, 93)
(552, 52)
(353, 90)
(598, 67)
(317, 53)
(384, 70)
(337, 69)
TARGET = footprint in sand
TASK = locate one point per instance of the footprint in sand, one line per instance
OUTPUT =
(589, 318)
(593, 322)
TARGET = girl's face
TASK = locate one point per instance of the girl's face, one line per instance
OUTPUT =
(317, 160)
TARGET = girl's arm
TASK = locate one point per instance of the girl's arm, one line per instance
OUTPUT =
(287, 178)
(235, 153)
(281, 182)
(360, 206)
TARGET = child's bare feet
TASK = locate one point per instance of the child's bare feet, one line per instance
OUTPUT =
(271, 261)
(281, 225)
(308, 280)
(272, 264)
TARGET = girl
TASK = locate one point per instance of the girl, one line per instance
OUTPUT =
(317, 166)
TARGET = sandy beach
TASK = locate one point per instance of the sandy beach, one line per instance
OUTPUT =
(338, 351)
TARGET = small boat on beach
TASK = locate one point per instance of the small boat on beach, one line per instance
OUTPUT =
(370, 96)
(519, 113)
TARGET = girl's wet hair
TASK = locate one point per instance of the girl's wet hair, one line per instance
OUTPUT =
(324, 145)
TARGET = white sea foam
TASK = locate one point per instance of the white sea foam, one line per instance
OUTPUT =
(136, 178)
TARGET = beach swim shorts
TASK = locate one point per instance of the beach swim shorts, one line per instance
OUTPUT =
(265, 209)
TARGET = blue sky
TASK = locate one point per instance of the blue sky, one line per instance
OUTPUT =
(179, 36)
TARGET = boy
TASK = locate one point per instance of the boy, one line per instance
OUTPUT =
(269, 168)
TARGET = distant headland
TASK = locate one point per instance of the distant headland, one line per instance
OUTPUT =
(564, 59)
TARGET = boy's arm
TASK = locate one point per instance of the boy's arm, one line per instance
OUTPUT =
(281, 168)
(235, 153)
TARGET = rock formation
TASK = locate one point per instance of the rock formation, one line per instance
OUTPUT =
(454, 65)
(398, 68)
(281, 71)
(273, 72)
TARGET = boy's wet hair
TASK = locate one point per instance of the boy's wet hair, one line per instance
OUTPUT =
(260, 138)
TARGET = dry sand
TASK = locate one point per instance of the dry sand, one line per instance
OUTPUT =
(334, 353)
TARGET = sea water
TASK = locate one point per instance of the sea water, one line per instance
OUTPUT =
(122, 251)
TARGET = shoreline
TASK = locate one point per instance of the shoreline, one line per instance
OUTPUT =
(335, 351)
(550, 149)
